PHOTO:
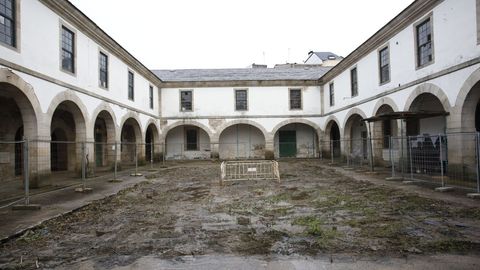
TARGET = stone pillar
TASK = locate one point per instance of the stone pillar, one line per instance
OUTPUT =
(269, 149)
(214, 149)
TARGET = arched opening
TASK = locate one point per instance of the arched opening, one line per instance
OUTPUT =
(333, 139)
(427, 103)
(383, 131)
(152, 146)
(104, 136)
(130, 140)
(14, 108)
(242, 141)
(187, 142)
(296, 140)
(356, 133)
(67, 130)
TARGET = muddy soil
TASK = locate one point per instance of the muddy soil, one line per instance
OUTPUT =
(314, 211)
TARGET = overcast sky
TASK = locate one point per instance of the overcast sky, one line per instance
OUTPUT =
(176, 34)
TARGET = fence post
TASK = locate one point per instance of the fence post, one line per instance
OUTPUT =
(477, 155)
(371, 146)
(321, 150)
(151, 156)
(331, 150)
(164, 151)
(26, 171)
(84, 178)
(115, 165)
(410, 158)
(391, 155)
(441, 160)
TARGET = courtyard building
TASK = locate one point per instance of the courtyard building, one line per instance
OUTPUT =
(81, 100)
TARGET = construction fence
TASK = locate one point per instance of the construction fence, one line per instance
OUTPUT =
(447, 160)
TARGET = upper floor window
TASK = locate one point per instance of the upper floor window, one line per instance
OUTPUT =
(68, 50)
(7, 22)
(103, 70)
(384, 65)
(332, 94)
(354, 82)
(241, 100)
(424, 43)
(186, 101)
(295, 99)
(131, 86)
(151, 97)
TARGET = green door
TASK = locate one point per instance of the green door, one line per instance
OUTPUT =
(288, 143)
(98, 150)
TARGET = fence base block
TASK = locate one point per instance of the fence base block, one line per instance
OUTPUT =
(444, 189)
(348, 168)
(24, 207)
(474, 196)
(408, 182)
(83, 190)
(136, 174)
(394, 178)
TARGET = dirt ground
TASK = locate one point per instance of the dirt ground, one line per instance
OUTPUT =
(183, 211)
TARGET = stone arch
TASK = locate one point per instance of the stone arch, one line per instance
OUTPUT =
(352, 112)
(104, 131)
(26, 100)
(131, 139)
(20, 117)
(226, 125)
(177, 138)
(78, 109)
(331, 140)
(296, 137)
(168, 128)
(131, 116)
(382, 102)
(152, 141)
(430, 89)
(317, 128)
(466, 110)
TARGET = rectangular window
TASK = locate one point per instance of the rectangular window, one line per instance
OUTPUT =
(191, 139)
(387, 132)
(103, 70)
(384, 65)
(424, 43)
(354, 82)
(241, 100)
(7, 22)
(295, 99)
(332, 94)
(186, 98)
(131, 86)
(68, 50)
(151, 97)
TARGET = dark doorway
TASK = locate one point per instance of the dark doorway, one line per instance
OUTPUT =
(149, 145)
(288, 143)
(19, 152)
(335, 139)
(59, 151)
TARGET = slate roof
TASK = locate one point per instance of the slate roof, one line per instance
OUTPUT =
(242, 74)
(324, 55)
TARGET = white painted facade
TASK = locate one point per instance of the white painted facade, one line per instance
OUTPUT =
(33, 68)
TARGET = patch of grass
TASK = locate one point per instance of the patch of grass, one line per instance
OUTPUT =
(278, 198)
(451, 245)
(392, 230)
(470, 213)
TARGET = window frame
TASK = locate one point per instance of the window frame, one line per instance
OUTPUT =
(100, 53)
(428, 17)
(379, 55)
(180, 99)
(132, 98)
(356, 82)
(235, 99)
(72, 30)
(197, 142)
(331, 93)
(290, 99)
(16, 27)
(151, 95)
